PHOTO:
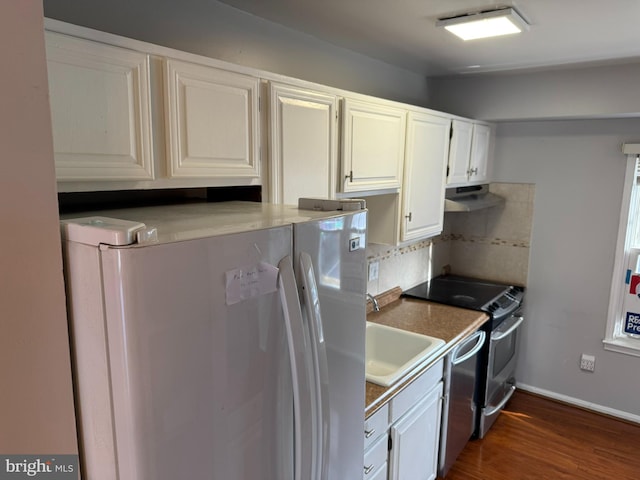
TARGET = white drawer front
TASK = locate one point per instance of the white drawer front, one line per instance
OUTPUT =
(375, 459)
(408, 397)
(376, 425)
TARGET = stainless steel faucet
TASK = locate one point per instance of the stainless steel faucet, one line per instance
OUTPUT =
(376, 307)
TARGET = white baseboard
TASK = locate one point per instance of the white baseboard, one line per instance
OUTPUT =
(630, 417)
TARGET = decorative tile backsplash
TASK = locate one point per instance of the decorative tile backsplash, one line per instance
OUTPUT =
(492, 244)
(409, 265)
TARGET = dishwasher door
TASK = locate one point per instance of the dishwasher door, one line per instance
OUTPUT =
(459, 409)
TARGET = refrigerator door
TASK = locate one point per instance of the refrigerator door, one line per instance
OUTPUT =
(336, 247)
(199, 363)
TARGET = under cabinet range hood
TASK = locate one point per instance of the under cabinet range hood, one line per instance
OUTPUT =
(468, 199)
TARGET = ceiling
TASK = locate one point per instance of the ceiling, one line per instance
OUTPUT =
(563, 33)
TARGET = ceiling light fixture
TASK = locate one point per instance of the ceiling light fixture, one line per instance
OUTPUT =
(487, 23)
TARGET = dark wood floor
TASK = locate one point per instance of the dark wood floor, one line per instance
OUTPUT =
(536, 438)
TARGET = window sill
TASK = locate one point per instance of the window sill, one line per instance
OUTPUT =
(623, 345)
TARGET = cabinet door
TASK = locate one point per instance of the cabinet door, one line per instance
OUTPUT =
(372, 146)
(460, 151)
(212, 122)
(100, 110)
(424, 175)
(303, 147)
(479, 153)
(414, 453)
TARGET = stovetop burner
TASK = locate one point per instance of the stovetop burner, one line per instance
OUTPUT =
(472, 293)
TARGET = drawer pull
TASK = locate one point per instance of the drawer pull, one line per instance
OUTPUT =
(368, 433)
(367, 470)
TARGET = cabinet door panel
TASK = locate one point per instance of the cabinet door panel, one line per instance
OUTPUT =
(303, 144)
(480, 152)
(459, 152)
(424, 175)
(373, 146)
(100, 108)
(212, 122)
(414, 454)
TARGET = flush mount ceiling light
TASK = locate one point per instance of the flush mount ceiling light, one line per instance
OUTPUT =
(483, 24)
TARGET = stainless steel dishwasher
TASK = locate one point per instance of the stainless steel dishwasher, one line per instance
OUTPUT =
(459, 406)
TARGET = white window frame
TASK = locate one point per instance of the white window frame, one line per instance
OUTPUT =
(615, 339)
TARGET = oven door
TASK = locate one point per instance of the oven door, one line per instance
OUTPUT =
(501, 369)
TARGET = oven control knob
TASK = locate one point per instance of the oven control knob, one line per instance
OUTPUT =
(493, 307)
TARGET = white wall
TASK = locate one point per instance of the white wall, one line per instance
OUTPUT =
(578, 172)
(36, 400)
(214, 29)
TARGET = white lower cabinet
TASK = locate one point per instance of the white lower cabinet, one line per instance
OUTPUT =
(414, 440)
(402, 438)
(375, 460)
(376, 440)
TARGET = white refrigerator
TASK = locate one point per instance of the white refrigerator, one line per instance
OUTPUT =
(218, 341)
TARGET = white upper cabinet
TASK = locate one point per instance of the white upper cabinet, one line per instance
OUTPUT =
(101, 110)
(424, 175)
(459, 152)
(372, 146)
(469, 153)
(212, 122)
(480, 152)
(303, 143)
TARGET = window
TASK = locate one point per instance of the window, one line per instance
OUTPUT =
(623, 324)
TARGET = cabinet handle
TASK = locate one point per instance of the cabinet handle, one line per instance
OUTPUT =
(408, 216)
(367, 470)
(350, 176)
(474, 171)
(368, 433)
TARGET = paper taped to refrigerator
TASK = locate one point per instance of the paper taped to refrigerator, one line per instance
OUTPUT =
(251, 281)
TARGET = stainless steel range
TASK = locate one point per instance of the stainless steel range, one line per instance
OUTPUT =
(496, 363)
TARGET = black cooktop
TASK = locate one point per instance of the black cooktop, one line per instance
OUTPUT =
(466, 292)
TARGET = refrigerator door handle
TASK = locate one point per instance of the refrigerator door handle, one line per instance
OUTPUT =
(320, 373)
(303, 405)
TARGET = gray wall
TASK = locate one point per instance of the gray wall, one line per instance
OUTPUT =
(213, 29)
(578, 172)
(595, 92)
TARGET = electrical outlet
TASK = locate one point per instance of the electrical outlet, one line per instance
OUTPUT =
(587, 363)
(373, 270)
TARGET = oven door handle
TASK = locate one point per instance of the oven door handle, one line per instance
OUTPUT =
(480, 335)
(499, 336)
(504, 401)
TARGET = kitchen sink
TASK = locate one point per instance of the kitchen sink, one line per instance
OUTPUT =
(391, 353)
